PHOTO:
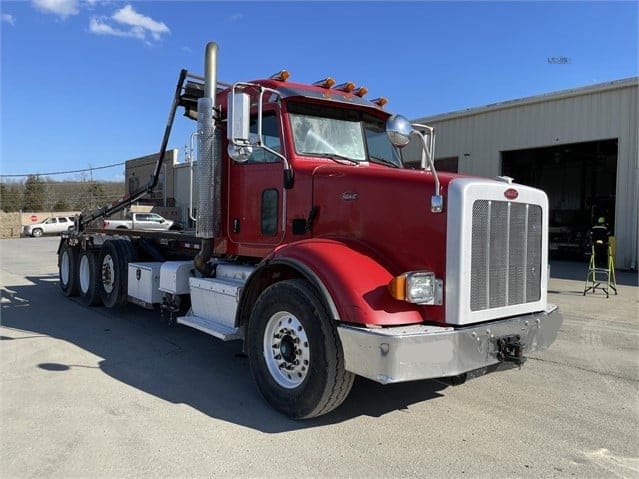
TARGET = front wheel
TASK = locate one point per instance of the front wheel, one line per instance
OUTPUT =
(295, 354)
(36, 233)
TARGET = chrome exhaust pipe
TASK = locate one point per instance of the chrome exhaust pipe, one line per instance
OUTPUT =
(209, 164)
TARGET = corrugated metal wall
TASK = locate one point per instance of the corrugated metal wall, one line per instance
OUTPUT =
(477, 137)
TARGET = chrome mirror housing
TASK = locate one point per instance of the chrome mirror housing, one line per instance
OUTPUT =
(239, 105)
(399, 130)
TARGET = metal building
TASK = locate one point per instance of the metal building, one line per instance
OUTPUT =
(579, 145)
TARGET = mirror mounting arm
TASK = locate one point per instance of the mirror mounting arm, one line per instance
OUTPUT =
(428, 154)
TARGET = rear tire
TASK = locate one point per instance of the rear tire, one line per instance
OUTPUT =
(68, 269)
(89, 278)
(294, 350)
(113, 264)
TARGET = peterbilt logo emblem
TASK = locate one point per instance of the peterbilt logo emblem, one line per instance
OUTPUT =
(349, 196)
(511, 193)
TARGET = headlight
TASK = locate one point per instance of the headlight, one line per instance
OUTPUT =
(418, 287)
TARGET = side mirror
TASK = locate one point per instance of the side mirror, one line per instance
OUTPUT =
(399, 130)
(239, 118)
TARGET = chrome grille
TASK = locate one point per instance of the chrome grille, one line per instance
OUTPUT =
(506, 254)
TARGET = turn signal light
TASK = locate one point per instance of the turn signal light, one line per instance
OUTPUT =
(397, 287)
(282, 75)
(327, 82)
(348, 87)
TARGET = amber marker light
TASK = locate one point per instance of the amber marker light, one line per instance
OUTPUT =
(327, 82)
(348, 87)
(397, 287)
(282, 75)
(361, 91)
(381, 101)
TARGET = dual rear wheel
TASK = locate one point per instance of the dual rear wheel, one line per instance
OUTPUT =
(98, 276)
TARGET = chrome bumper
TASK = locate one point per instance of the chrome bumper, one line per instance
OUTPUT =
(407, 353)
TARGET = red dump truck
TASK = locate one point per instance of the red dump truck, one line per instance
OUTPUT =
(318, 248)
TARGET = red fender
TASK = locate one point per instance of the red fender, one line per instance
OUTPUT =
(355, 280)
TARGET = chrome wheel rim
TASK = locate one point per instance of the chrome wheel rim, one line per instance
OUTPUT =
(65, 267)
(286, 350)
(107, 273)
(84, 273)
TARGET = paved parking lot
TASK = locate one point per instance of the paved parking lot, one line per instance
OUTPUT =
(92, 392)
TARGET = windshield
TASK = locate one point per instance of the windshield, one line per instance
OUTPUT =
(341, 134)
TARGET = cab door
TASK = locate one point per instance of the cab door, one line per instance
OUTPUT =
(256, 206)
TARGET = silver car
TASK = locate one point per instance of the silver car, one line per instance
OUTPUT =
(52, 225)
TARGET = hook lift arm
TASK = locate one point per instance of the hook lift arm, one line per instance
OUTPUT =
(193, 90)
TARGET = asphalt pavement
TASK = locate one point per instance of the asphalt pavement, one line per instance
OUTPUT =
(93, 392)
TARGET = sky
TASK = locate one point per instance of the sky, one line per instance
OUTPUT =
(88, 83)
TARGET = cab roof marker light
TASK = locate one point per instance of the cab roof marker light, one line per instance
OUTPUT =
(361, 91)
(348, 87)
(327, 82)
(282, 75)
(381, 101)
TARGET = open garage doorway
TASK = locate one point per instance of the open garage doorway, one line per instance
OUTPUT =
(580, 180)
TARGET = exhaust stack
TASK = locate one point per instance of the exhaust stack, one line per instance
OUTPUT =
(209, 163)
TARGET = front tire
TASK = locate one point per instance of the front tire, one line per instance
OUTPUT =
(36, 233)
(294, 350)
(68, 269)
(89, 278)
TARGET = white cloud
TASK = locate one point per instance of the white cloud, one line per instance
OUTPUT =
(128, 16)
(10, 19)
(62, 8)
(186, 49)
(236, 16)
(99, 26)
(137, 25)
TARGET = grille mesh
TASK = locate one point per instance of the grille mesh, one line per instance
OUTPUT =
(506, 254)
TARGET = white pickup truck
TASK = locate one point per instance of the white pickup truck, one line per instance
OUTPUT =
(140, 221)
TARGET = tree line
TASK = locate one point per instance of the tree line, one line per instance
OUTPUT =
(43, 194)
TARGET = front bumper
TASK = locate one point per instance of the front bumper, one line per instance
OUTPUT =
(407, 353)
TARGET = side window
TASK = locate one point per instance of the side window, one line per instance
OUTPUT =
(51, 221)
(142, 217)
(62, 220)
(271, 137)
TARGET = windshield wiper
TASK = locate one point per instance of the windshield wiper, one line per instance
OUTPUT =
(382, 161)
(336, 157)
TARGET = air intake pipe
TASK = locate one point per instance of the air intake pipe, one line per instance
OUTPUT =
(209, 164)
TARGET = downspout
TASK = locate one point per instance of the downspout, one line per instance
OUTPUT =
(209, 162)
